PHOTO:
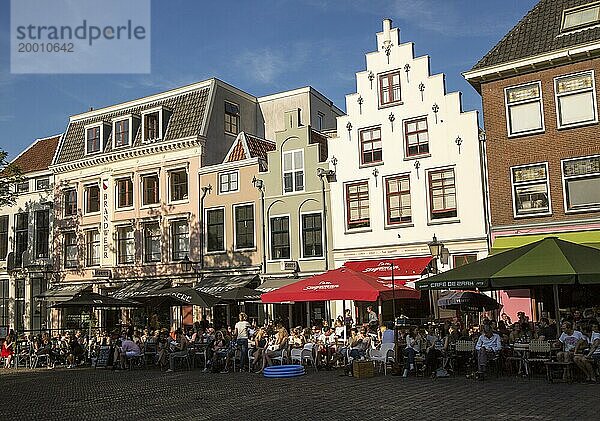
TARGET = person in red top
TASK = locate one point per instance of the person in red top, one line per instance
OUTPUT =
(7, 351)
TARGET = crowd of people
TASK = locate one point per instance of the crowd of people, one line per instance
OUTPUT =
(430, 347)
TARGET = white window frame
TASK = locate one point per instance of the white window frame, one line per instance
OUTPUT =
(135, 249)
(160, 240)
(220, 174)
(594, 100)
(235, 246)
(575, 10)
(300, 239)
(142, 190)
(507, 110)
(564, 183)
(293, 171)
(85, 199)
(161, 117)
(86, 259)
(116, 120)
(270, 255)
(224, 249)
(85, 139)
(513, 193)
(386, 205)
(439, 221)
(320, 120)
(37, 179)
(170, 171)
(171, 221)
(116, 184)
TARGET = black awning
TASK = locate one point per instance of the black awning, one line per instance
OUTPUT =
(62, 292)
(217, 285)
(136, 288)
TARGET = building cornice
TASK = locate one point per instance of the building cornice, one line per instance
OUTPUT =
(138, 151)
(532, 64)
(229, 165)
(583, 223)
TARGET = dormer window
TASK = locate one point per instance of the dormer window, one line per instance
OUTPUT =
(92, 139)
(581, 16)
(121, 131)
(151, 129)
(232, 118)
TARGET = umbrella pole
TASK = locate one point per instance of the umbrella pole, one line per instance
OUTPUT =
(556, 308)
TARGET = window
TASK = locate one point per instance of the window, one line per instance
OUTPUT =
(70, 249)
(151, 126)
(19, 304)
(582, 183)
(320, 119)
(442, 194)
(152, 251)
(397, 198)
(215, 230)
(38, 307)
(416, 137)
(125, 245)
(42, 183)
(524, 112)
(232, 118)
(150, 189)
(531, 190)
(23, 186)
(42, 233)
(5, 319)
(244, 227)
(124, 193)
(357, 205)
(463, 259)
(228, 182)
(70, 202)
(92, 139)
(3, 236)
(21, 236)
(389, 88)
(92, 198)
(92, 248)
(575, 99)
(121, 133)
(581, 16)
(370, 145)
(180, 235)
(312, 235)
(293, 171)
(280, 238)
(179, 185)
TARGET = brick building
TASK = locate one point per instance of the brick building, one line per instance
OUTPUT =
(538, 87)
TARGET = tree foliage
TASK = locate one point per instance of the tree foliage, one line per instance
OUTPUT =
(10, 174)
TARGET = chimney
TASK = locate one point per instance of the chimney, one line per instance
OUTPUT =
(387, 25)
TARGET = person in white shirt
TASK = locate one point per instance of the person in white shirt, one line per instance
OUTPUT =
(241, 333)
(488, 346)
(570, 340)
(585, 362)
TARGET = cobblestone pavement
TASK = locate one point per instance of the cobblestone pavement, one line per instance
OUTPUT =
(85, 393)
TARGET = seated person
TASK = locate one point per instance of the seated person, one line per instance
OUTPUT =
(387, 334)
(129, 349)
(434, 350)
(585, 361)
(75, 352)
(410, 351)
(570, 341)
(260, 343)
(277, 348)
(178, 348)
(218, 350)
(8, 350)
(547, 332)
(487, 347)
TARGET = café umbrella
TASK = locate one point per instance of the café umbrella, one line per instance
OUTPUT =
(182, 295)
(467, 301)
(339, 284)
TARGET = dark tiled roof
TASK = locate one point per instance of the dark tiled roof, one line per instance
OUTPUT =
(38, 156)
(259, 147)
(538, 32)
(321, 139)
(186, 119)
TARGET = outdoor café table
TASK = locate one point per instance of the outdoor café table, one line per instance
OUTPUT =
(520, 354)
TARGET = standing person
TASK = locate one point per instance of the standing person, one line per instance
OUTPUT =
(241, 333)
(371, 315)
(348, 321)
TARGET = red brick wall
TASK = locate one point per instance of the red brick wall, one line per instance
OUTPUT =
(551, 146)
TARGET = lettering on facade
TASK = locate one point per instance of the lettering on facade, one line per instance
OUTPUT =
(105, 220)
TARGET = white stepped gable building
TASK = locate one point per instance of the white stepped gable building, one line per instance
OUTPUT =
(408, 164)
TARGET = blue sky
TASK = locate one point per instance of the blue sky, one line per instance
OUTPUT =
(261, 47)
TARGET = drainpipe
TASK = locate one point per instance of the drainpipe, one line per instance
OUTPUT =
(205, 191)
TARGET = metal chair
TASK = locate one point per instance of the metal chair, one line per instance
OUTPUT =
(385, 354)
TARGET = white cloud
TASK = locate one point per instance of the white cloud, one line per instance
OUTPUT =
(263, 65)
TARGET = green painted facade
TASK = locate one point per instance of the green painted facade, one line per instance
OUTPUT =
(303, 206)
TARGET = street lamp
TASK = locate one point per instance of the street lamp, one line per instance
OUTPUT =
(435, 248)
(187, 265)
(260, 185)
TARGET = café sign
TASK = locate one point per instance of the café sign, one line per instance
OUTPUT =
(468, 284)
